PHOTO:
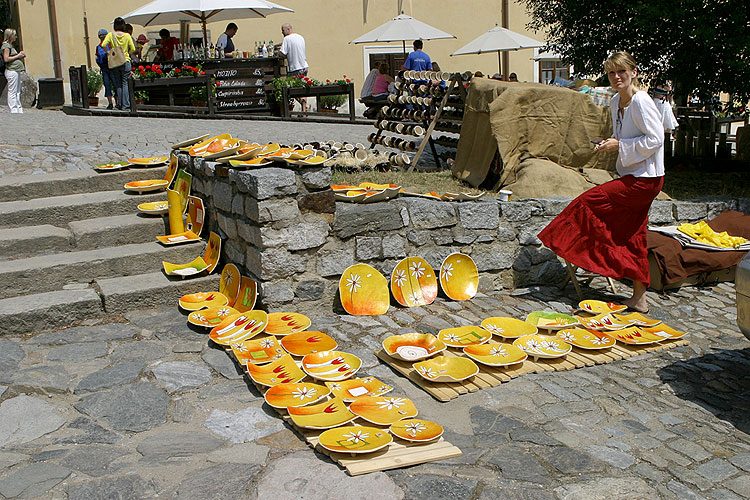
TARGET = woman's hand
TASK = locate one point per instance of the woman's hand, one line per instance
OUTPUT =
(21, 55)
(608, 145)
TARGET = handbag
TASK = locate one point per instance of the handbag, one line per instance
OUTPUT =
(115, 54)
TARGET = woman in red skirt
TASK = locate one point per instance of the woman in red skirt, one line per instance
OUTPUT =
(604, 229)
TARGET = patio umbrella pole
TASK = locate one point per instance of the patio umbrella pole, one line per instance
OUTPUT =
(500, 62)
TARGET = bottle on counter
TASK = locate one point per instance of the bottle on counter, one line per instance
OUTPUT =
(264, 50)
(211, 51)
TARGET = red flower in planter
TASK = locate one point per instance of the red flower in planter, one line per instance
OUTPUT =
(140, 68)
(348, 81)
(159, 72)
(148, 67)
(177, 70)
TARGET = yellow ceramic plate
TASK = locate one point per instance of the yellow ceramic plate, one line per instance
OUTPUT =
(279, 371)
(459, 277)
(154, 207)
(586, 339)
(284, 323)
(244, 153)
(540, 346)
(352, 196)
(179, 238)
(189, 142)
(592, 322)
(197, 265)
(258, 351)
(247, 295)
(611, 322)
(551, 320)
(416, 430)
(664, 331)
(638, 319)
(364, 291)
(495, 354)
(464, 335)
(354, 388)
(220, 149)
(239, 327)
(354, 439)
(211, 316)
(112, 166)
(331, 365)
(201, 300)
(598, 306)
(255, 162)
(200, 147)
(324, 415)
(383, 410)
(299, 394)
(446, 369)
(148, 162)
(508, 328)
(635, 335)
(413, 282)
(343, 188)
(306, 342)
(413, 346)
(146, 185)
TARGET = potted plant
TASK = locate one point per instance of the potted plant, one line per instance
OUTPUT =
(141, 96)
(331, 103)
(198, 96)
(95, 82)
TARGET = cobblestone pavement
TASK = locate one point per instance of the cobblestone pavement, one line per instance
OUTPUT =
(148, 408)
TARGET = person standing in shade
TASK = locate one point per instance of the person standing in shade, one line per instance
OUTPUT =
(107, 74)
(13, 68)
(121, 73)
(3, 81)
(417, 60)
(168, 44)
(224, 44)
(293, 48)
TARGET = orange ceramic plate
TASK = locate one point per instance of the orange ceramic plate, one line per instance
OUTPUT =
(446, 369)
(247, 295)
(464, 335)
(201, 300)
(322, 415)
(412, 346)
(306, 342)
(416, 430)
(258, 351)
(343, 187)
(355, 439)
(229, 282)
(354, 388)
(611, 322)
(635, 335)
(279, 371)
(413, 282)
(331, 365)
(179, 238)
(592, 322)
(638, 319)
(255, 162)
(148, 162)
(459, 277)
(242, 326)
(201, 148)
(508, 328)
(598, 306)
(154, 207)
(664, 331)
(285, 323)
(383, 410)
(542, 346)
(212, 316)
(364, 291)
(189, 142)
(586, 339)
(146, 185)
(297, 394)
(111, 167)
(494, 354)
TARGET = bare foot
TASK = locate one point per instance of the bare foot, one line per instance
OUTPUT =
(640, 306)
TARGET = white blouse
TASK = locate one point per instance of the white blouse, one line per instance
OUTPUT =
(641, 136)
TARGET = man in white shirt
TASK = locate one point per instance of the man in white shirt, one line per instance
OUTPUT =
(224, 44)
(293, 47)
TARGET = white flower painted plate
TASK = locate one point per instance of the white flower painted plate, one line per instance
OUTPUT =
(495, 354)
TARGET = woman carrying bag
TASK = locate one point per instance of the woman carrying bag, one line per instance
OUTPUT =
(13, 67)
(119, 45)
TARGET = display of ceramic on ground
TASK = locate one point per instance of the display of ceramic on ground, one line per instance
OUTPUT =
(635, 335)
(462, 336)
(383, 410)
(154, 207)
(508, 328)
(432, 195)
(295, 394)
(446, 369)
(459, 277)
(148, 162)
(246, 152)
(212, 316)
(207, 263)
(585, 339)
(331, 365)
(326, 415)
(461, 196)
(495, 354)
(200, 148)
(111, 166)
(664, 331)
(599, 306)
(194, 226)
(279, 371)
(155, 184)
(247, 296)
(354, 388)
(364, 291)
(551, 320)
(222, 147)
(416, 430)
(354, 439)
(612, 322)
(413, 346)
(540, 346)
(637, 319)
(229, 286)
(254, 162)
(413, 282)
(306, 342)
(257, 351)
(239, 327)
(189, 142)
(285, 323)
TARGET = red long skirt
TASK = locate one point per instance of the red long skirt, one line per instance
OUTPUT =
(604, 229)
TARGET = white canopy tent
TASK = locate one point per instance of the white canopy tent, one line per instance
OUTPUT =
(498, 40)
(400, 29)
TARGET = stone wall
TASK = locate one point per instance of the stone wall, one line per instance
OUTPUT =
(281, 226)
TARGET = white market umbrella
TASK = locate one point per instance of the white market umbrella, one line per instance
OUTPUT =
(173, 11)
(498, 40)
(400, 29)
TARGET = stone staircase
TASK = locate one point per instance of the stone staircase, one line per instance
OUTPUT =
(74, 249)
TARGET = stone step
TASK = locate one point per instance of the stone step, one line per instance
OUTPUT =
(52, 272)
(49, 310)
(61, 210)
(27, 187)
(22, 242)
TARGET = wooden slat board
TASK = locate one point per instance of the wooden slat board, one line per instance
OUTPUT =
(491, 377)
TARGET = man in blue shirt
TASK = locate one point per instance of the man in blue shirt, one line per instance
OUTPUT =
(418, 60)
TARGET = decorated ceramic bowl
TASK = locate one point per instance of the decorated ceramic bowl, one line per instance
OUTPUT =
(586, 339)
(211, 316)
(494, 354)
(551, 320)
(635, 335)
(464, 335)
(354, 388)
(325, 415)
(295, 394)
(279, 371)
(285, 323)
(598, 306)
(459, 277)
(665, 331)
(257, 351)
(331, 365)
(638, 319)
(239, 327)
(354, 439)
(508, 328)
(364, 291)
(416, 430)
(383, 410)
(412, 346)
(446, 369)
(306, 342)
(541, 346)
(154, 207)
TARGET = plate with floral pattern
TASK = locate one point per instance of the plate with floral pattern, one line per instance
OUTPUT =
(508, 328)
(354, 439)
(413, 282)
(416, 430)
(412, 346)
(148, 162)
(364, 291)
(354, 388)
(495, 354)
(383, 410)
(295, 394)
(540, 346)
(257, 351)
(464, 335)
(283, 370)
(331, 365)
(586, 339)
(599, 306)
(325, 415)
(306, 342)
(212, 316)
(112, 166)
(446, 369)
(664, 331)
(459, 277)
(549, 320)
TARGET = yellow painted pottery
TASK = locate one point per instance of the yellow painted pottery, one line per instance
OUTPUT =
(202, 300)
(211, 316)
(284, 323)
(213, 251)
(413, 346)
(229, 282)
(508, 328)
(464, 335)
(540, 346)
(255, 162)
(342, 188)
(598, 306)
(416, 430)
(112, 166)
(664, 331)
(154, 207)
(635, 335)
(413, 282)
(364, 291)
(324, 415)
(310, 160)
(446, 369)
(257, 351)
(279, 371)
(354, 439)
(306, 342)
(201, 148)
(495, 354)
(182, 185)
(638, 319)
(297, 394)
(146, 185)
(331, 365)
(189, 142)
(148, 162)
(383, 410)
(193, 267)
(459, 277)
(586, 339)
(179, 238)
(592, 322)
(551, 320)
(247, 295)
(237, 328)
(612, 322)
(354, 388)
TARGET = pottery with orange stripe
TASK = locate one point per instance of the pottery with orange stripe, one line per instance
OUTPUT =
(239, 327)
(586, 339)
(413, 282)
(416, 430)
(635, 335)
(355, 439)
(383, 410)
(258, 351)
(283, 370)
(459, 277)
(664, 331)
(201, 300)
(295, 394)
(354, 388)
(364, 291)
(306, 342)
(285, 323)
(331, 365)
(324, 415)
(599, 306)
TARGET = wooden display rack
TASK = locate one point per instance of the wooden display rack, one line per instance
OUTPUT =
(491, 377)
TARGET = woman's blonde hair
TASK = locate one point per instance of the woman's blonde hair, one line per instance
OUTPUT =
(9, 33)
(621, 59)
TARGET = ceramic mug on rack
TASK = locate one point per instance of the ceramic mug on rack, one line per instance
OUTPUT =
(360, 154)
(505, 194)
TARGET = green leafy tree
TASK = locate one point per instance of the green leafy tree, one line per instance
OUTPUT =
(702, 46)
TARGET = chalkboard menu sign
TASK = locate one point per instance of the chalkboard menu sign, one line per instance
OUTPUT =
(241, 89)
(78, 86)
